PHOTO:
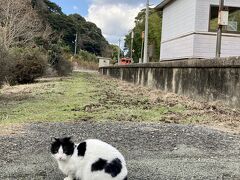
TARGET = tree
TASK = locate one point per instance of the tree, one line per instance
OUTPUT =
(114, 51)
(90, 36)
(19, 22)
(155, 21)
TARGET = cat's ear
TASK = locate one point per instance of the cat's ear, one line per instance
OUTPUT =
(53, 139)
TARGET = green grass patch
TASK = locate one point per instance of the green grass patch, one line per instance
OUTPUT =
(82, 96)
(50, 101)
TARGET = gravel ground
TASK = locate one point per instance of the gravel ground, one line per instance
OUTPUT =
(153, 151)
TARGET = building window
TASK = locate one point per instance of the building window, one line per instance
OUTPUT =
(233, 21)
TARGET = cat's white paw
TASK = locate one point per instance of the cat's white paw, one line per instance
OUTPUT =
(68, 178)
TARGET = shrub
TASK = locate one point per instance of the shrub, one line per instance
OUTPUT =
(85, 65)
(57, 61)
(86, 60)
(5, 66)
(86, 56)
(29, 64)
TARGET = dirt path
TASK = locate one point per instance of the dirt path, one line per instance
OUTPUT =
(153, 151)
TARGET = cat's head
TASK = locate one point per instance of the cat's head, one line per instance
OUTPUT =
(62, 148)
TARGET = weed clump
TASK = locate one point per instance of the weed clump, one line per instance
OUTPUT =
(86, 60)
(62, 66)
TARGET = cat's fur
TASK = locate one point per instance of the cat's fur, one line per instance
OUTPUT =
(90, 160)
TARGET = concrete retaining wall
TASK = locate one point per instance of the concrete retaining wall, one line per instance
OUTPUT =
(209, 79)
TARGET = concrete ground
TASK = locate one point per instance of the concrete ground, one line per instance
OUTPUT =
(153, 151)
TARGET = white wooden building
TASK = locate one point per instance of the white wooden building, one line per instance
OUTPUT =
(189, 29)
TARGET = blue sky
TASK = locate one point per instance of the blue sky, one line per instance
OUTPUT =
(114, 17)
(74, 6)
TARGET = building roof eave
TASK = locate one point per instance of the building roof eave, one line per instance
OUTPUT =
(163, 4)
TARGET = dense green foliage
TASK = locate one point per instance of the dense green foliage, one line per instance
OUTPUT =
(155, 21)
(90, 37)
(115, 50)
(86, 56)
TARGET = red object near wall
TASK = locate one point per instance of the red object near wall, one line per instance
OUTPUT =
(125, 61)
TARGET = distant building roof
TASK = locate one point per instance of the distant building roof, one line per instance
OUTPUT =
(99, 57)
(162, 4)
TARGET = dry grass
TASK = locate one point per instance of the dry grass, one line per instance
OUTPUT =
(85, 65)
(90, 96)
(11, 129)
(214, 114)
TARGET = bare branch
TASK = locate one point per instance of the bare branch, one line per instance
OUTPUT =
(19, 22)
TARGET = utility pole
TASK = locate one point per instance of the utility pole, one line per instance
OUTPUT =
(75, 51)
(141, 59)
(131, 52)
(119, 50)
(219, 31)
(145, 56)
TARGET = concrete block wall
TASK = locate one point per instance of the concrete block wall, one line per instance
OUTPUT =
(208, 79)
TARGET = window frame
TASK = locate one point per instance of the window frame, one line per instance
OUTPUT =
(209, 23)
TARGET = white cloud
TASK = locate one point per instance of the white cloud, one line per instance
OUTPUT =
(129, 2)
(115, 19)
(75, 8)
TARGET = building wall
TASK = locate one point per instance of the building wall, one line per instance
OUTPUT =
(203, 12)
(104, 62)
(204, 41)
(205, 45)
(178, 20)
(185, 31)
(180, 47)
(212, 80)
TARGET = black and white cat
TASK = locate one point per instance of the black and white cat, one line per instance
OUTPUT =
(90, 160)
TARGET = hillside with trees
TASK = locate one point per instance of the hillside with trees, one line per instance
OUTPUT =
(37, 38)
(90, 37)
(155, 21)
